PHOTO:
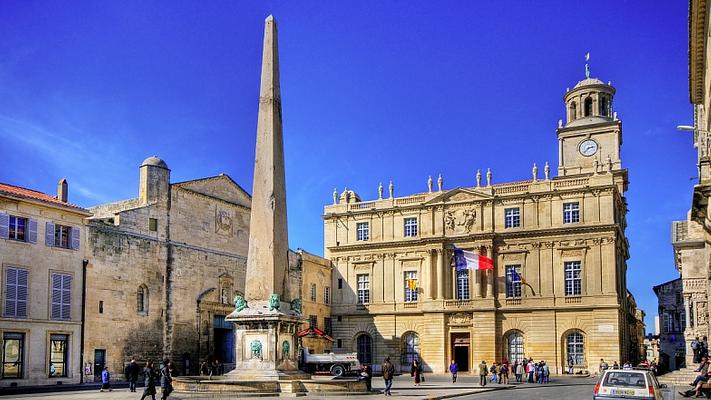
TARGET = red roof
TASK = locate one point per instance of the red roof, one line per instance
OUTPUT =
(18, 191)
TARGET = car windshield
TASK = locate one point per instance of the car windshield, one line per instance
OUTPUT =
(625, 379)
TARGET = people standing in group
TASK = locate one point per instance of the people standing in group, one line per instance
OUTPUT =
(453, 369)
(483, 371)
(131, 373)
(388, 371)
(149, 381)
(492, 370)
(530, 370)
(615, 365)
(519, 370)
(539, 372)
(504, 373)
(416, 371)
(166, 379)
(546, 372)
(105, 380)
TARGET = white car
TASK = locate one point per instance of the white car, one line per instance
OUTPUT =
(628, 384)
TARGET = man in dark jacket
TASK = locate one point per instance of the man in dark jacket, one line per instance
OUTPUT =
(166, 379)
(131, 374)
(388, 371)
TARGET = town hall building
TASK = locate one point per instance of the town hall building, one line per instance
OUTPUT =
(558, 290)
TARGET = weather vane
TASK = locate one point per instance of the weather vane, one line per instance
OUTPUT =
(587, 67)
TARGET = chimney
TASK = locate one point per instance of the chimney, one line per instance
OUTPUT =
(62, 190)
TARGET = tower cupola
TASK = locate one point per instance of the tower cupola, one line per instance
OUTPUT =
(590, 102)
(154, 180)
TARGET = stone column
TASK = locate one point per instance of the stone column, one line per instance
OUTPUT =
(687, 326)
(440, 274)
(431, 276)
(489, 284)
(475, 281)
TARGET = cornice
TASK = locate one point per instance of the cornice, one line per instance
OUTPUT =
(697, 49)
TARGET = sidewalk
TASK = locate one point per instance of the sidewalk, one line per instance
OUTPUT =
(436, 386)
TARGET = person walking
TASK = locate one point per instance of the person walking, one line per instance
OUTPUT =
(453, 369)
(483, 371)
(388, 371)
(166, 379)
(416, 371)
(492, 370)
(603, 366)
(149, 381)
(105, 380)
(518, 370)
(131, 374)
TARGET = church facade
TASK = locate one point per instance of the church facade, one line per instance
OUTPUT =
(163, 270)
(396, 292)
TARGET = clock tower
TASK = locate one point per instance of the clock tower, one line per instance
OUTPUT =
(590, 140)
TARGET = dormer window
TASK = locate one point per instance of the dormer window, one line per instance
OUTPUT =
(588, 107)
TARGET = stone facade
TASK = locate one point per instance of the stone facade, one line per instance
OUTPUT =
(316, 301)
(700, 96)
(42, 252)
(689, 259)
(564, 235)
(672, 347)
(164, 268)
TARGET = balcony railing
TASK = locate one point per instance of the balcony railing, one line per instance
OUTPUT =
(680, 231)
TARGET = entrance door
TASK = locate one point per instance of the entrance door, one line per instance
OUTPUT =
(224, 340)
(99, 362)
(460, 350)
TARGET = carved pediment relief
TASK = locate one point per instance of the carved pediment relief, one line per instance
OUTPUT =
(460, 319)
(460, 196)
(460, 220)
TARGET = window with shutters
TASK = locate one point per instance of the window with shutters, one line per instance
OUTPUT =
(327, 295)
(313, 321)
(17, 228)
(13, 346)
(58, 346)
(15, 292)
(62, 236)
(61, 296)
(312, 292)
(327, 326)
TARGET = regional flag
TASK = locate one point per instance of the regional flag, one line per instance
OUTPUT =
(469, 260)
(412, 284)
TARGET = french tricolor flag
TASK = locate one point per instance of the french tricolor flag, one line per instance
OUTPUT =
(469, 260)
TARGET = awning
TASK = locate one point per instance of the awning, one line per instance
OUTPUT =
(314, 332)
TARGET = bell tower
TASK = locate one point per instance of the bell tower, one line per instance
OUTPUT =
(590, 140)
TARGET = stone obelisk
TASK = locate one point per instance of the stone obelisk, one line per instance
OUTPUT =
(266, 321)
(267, 259)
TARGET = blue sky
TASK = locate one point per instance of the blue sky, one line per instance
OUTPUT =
(371, 91)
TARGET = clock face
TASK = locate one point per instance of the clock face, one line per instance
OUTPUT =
(588, 147)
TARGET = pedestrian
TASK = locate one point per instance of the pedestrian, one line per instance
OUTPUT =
(483, 371)
(388, 371)
(492, 370)
(365, 375)
(149, 381)
(166, 379)
(615, 365)
(105, 380)
(530, 370)
(695, 349)
(205, 367)
(546, 372)
(416, 371)
(703, 347)
(518, 370)
(131, 374)
(539, 372)
(570, 365)
(603, 366)
(627, 365)
(453, 369)
(504, 374)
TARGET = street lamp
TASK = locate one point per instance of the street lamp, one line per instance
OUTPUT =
(685, 128)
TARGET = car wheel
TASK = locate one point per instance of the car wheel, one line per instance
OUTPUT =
(338, 370)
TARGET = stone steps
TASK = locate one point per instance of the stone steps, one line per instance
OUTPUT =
(679, 377)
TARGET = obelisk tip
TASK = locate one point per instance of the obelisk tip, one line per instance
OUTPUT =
(270, 18)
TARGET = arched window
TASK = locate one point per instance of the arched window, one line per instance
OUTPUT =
(142, 300)
(573, 111)
(410, 348)
(575, 344)
(514, 347)
(365, 348)
(588, 107)
(604, 106)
